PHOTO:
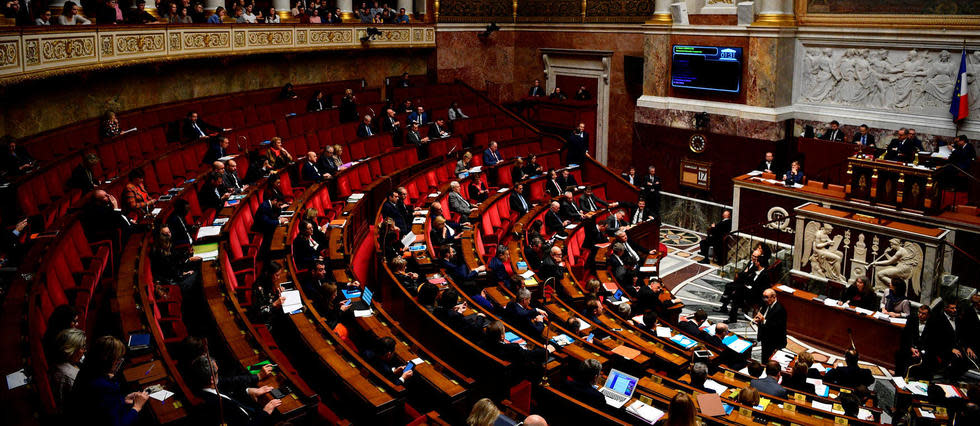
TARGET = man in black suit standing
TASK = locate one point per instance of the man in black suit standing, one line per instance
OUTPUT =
(771, 320)
(650, 187)
(392, 125)
(834, 133)
(747, 288)
(912, 347)
(716, 238)
(390, 210)
(364, 130)
(949, 341)
(768, 165)
(578, 145)
(517, 202)
(864, 138)
(963, 153)
(536, 90)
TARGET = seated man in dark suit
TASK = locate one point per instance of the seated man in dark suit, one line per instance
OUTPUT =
(648, 298)
(531, 320)
(266, 219)
(438, 129)
(529, 362)
(460, 273)
(770, 384)
(769, 165)
(595, 233)
(894, 149)
(692, 325)
(195, 128)
(583, 380)
(553, 266)
(234, 405)
(567, 180)
(534, 252)
(552, 187)
(553, 221)
(699, 375)
(536, 89)
(382, 358)
(850, 375)
(391, 125)
(390, 210)
(216, 150)
(497, 266)
(213, 193)
(231, 180)
(634, 253)
(964, 153)
(863, 137)
(364, 130)
(615, 221)
(569, 209)
(641, 213)
(518, 204)
(716, 239)
(623, 272)
(311, 172)
(415, 138)
(834, 133)
(409, 280)
(589, 202)
(912, 145)
(305, 247)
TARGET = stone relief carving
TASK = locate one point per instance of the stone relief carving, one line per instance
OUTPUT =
(900, 261)
(821, 251)
(918, 81)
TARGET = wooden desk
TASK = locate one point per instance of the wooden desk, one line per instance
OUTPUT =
(893, 183)
(876, 340)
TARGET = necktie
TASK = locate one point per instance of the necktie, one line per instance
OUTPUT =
(864, 139)
(523, 204)
(369, 130)
(591, 204)
(199, 131)
(633, 254)
(637, 216)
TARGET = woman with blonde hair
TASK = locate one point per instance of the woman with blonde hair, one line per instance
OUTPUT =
(463, 164)
(278, 156)
(484, 413)
(70, 345)
(749, 396)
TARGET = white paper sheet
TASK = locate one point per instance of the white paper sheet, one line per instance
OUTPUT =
(208, 231)
(292, 302)
(364, 313)
(645, 412)
(663, 332)
(527, 274)
(408, 239)
(715, 386)
(823, 406)
(161, 395)
(786, 288)
(16, 379)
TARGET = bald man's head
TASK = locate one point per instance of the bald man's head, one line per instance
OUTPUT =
(535, 420)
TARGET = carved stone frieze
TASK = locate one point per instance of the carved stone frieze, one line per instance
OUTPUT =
(67, 48)
(9, 54)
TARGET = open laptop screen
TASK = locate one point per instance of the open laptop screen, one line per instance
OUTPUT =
(621, 383)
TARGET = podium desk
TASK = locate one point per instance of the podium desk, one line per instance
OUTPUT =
(895, 184)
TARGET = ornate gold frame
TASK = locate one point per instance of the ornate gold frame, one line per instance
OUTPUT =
(884, 20)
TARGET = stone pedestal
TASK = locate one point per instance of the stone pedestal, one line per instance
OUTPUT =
(407, 5)
(661, 13)
(211, 5)
(775, 13)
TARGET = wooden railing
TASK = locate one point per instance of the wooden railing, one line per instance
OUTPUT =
(32, 52)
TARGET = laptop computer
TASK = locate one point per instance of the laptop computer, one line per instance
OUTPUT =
(619, 388)
(365, 302)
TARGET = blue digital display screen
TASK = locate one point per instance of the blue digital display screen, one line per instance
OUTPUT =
(710, 68)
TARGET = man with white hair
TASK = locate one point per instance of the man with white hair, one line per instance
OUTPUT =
(553, 221)
(457, 203)
(771, 320)
(364, 130)
(553, 266)
(569, 209)
(634, 253)
(528, 318)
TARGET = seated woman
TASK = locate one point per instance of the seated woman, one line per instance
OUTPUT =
(305, 247)
(532, 168)
(110, 126)
(749, 396)
(441, 235)
(69, 15)
(860, 295)
(267, 294)
(136, 201)
(517, 171)
(478, 189)
(463, 165)
(70, 345)
(319, 232)
(97, 395)
(172, 266)
(335, 311)
(287, 90)
(795, 174)
(278, 156)
(895, 303)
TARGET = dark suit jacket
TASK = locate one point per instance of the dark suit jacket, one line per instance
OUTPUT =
(570, 211)
(774, 167)
(214, 153)
(567, 182)
(647, 300)
(391, 211)
(388, 125)
(584, 393)
(613, 224)
(233, 412)
(963, 157)
(550, 269)
(940, 337)
(894, 149)
(769, 386)
(490, 158)
(209, 197)
(689, 328)
(189, 133)
(414, 138)
(181, 233)
(644, 215)
(231, 181)
(869, 139)
(773, 330)
(316, 105)
(326, 165)
(266, 219)
(303, 252)
(515, 203)
(364, 131)
(553, 222)
(81, 179)
(833, 135)
(311, 172)
(578, 144)
(524, 317)
(596, 202)
(553, 188)
(849, 376)
(535, 91)
(460, 272)
(435, 131)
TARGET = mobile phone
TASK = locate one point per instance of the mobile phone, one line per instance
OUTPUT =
(408, 367)
(277, 393)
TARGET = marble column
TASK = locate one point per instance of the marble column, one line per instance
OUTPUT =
(661, 13)
(211, 5)
(282, 9)
(346, 9)
(775, 13)
(407, 4)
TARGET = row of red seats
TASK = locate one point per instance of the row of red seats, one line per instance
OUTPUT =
(484, 138)
(73, 137)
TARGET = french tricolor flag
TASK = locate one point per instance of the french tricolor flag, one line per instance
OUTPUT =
(960, 107)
